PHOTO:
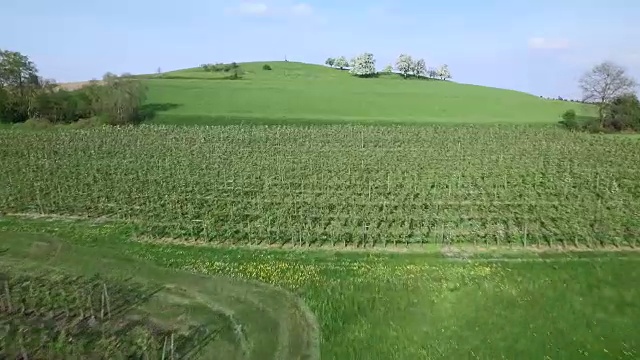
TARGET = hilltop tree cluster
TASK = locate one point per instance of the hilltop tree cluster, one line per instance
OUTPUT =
(234, 68)
(26, 95)
(220, 67)
(363, 65)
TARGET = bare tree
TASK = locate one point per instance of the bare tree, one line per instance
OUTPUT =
(605, 82)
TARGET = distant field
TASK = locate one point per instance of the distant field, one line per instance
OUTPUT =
(295, 92)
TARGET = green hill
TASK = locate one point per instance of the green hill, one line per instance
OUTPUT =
(294, 92)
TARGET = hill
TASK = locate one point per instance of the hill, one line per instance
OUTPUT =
(293, 92)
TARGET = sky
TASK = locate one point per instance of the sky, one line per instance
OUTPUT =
(541, 47)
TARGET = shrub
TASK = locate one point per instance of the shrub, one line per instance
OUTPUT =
(91, 122)
(594, 126)
(266, 67)
(36, 124)
(624, 113)
(571, 124)
(569, 115)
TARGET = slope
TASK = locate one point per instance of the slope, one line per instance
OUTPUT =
(297, 92)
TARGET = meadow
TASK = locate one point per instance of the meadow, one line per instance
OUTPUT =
(294, 93)
(368, 305)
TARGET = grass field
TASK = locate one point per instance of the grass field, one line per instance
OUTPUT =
(57, 303)
(368, 305)
(295, 92)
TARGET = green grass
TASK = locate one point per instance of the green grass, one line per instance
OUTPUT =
(393, 306)
(209, 317)
(296, 92)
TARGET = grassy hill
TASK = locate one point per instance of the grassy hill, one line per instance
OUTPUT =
(293, 92)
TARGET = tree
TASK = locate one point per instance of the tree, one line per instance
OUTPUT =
(404, 64)
(341, 63)
(443, 72)
(432, 73)
(118, 99)
(388, 69)
(419, 68)
(603, 83)
(330, 62)
(16, 70)
(20, 82)
(364, 65)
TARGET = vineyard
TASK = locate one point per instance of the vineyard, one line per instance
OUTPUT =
(333, 185)
(60, 316)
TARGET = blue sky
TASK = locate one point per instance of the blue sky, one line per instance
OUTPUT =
(541, 47)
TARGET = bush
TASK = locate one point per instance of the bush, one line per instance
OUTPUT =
(594, 126)
(569, 115)
(624, 113)
(266, 67)
(571, 124)
(88, 123)
(36, 124)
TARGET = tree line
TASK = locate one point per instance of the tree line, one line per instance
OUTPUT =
(25, 95)
(612, 91)
(364, 65)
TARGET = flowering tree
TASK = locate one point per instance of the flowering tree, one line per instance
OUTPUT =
(443, 72)
(363, 65)
(433, 73)
(419, 68)
(330, 62)
(404, 64)
(341, 62)
(388, 69)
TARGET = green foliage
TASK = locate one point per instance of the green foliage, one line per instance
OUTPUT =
(92, 122)
(266, 67)
(36, 124)
(118, 100)
(23, 95)
(569, 120)
(330, 62)
(623, 113)
(569, 115)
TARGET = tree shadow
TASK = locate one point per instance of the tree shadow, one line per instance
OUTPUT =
(586, 118)
(148, 111)
(219, 78)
